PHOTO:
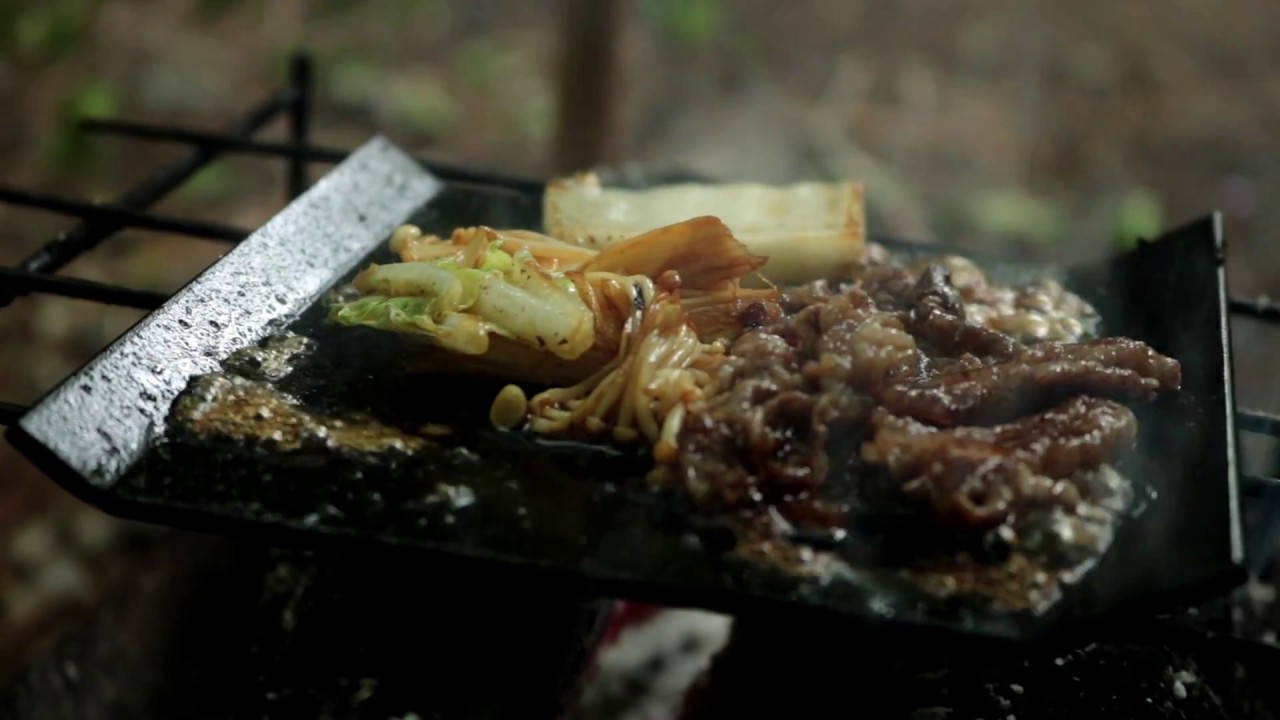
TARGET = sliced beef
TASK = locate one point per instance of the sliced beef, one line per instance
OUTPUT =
(938, 318)
(920, 350)
(980, 476)
(1039, 376)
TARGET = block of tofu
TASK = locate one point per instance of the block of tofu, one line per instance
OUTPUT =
(807, 230)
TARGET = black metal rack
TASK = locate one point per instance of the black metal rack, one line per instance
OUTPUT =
(100, 221)
(37, 273)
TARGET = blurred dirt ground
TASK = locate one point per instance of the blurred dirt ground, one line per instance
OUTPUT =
(1060, 130)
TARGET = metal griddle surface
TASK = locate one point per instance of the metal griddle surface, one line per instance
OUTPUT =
(570, 513)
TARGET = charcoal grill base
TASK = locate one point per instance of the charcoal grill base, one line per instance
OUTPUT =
(793, 674)
(217, 630)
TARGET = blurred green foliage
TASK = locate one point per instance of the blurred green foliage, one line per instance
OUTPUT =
(68, 148)
(395, 14)
(534, 117)
(481, 63)
(1015, 215)
(1140, 216)
(521, 98)
(351, 81)
(422, 103)
(47, 31)
(416, 101)
(216, 181)
(215, 8)
(693, 23)
(338, 7)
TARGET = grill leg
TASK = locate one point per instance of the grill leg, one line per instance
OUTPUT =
(299, 119)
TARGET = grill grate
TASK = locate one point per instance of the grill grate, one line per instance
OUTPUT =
(36, 274)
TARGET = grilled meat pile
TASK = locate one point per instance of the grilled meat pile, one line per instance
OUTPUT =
(976, 403)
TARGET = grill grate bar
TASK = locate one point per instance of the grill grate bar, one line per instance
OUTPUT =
(1261, 308)
(222, 143)
(122, 217)
(296, 150)
(35, 272)
(299, 121)
(1257, 421)
(67, 246)
(23, 281)
(1257, 486)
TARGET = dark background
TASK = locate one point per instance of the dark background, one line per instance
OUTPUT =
(1060, 130)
